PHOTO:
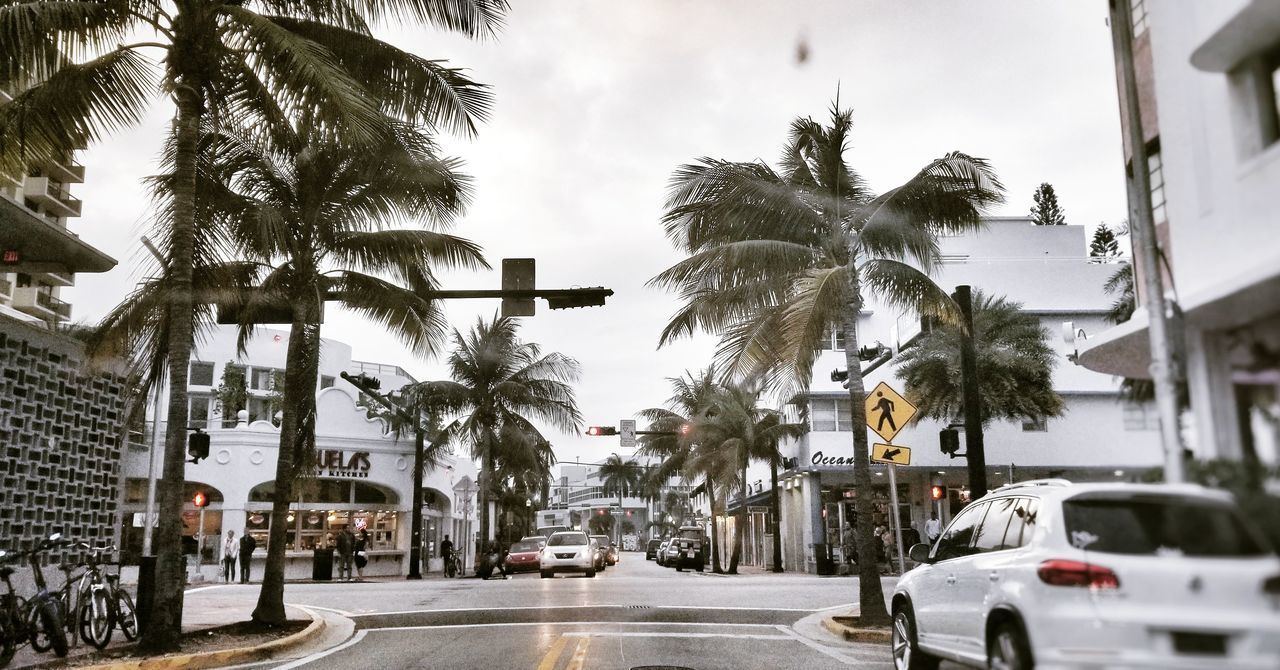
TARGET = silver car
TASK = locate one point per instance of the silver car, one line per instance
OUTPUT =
(568, 551)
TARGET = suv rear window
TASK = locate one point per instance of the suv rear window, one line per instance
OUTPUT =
(566, 539)
(691, 534)
(1159, 525)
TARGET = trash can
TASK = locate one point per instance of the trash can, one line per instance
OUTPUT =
(322, 565)
(822, 557)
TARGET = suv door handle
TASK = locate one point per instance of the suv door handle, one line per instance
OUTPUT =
(951, 579)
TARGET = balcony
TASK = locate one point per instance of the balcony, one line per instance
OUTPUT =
(6, 288)
(67, 171)
(52, 196)
(41, 305)
(57, 278)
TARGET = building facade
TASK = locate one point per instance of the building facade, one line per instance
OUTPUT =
(579, 494)
(1214, 69)
(363, 472)
(1098, 437)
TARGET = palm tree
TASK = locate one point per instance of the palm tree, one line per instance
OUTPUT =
(250, 63)
(747, 431)
(778, 258)
(318, 216)
(500, 386)
(1012, 352)
(620, 477)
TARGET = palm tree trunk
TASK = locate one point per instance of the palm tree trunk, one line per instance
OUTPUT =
(165, 627)
(739, 524)
(715, 531)
(486, 479)
(775, 513)
(870, 592)
(297, 444)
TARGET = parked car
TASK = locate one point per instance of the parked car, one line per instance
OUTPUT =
(651, 549)
(568, 551)
(1092, 575)
(602, 545)
(688, 546)
(540, 539)
(670, 553)
(523, 556)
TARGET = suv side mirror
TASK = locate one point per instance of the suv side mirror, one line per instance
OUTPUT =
(919, 553)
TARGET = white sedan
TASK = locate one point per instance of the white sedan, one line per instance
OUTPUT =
(1051, 574)
(568, 551)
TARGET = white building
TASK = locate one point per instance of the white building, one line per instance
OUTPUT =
(579, 493)
(363, 478)
(1215, 68)
(1099, 437)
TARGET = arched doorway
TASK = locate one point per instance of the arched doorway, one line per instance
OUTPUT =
(133, 520)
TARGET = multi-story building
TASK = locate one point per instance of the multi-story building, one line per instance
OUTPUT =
(1212, 70)
(1098, 437)
(579, 493)
(363, 472)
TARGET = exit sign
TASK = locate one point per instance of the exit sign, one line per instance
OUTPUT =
(11, 257)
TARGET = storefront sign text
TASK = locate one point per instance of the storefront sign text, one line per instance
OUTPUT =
(820, 459)
(336, 463)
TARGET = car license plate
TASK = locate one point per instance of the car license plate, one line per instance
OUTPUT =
(1200, 643)
(691, 553)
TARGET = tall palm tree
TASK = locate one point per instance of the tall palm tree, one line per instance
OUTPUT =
(320, 218)
(778, 258)
(251, 63)
(501, 385)
(619, 476)
(1012, 351)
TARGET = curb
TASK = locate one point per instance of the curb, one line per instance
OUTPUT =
(220, 657)
(852, 634)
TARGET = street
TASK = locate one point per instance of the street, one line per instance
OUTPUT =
(635, 614)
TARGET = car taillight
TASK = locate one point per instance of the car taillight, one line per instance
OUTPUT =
(1061, 572)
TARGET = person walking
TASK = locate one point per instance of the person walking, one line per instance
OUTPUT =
(229, 558)
(247, 545)
(346, 549)
(932, 528)
(446, 552)
(362, 545)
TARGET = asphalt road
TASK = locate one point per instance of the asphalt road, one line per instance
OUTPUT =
(634, 615)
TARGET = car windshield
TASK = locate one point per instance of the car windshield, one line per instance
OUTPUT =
(691, 533)
(525, 546)
(1159, 525)
(567, 539)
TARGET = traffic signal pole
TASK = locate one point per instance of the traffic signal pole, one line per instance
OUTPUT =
(973, 441)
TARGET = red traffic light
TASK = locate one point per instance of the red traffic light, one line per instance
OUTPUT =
(199, 499)
(598, 431)
(685, 428)
(937, 492)
(628, 512)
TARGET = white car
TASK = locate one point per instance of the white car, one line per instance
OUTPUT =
(1051, 574)
(568, 551)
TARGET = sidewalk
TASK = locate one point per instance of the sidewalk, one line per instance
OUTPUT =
(202, 611)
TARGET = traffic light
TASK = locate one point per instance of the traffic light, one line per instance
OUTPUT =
(839, 375)
(199, 499)
(937, 492)
(949, 441)
(601, 431)
(198, 445)
(578, 297)
(686, 428)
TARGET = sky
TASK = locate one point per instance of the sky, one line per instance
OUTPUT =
(597, 103)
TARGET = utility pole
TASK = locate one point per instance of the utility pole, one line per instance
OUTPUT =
(1145, 248)
(972, 400)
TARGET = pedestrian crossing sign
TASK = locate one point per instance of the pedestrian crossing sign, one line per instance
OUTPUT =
(887, 411)
(891, 454)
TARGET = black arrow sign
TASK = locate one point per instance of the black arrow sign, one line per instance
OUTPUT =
(890, 453)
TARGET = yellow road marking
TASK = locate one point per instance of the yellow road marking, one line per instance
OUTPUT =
(553, 654)
(579, 654)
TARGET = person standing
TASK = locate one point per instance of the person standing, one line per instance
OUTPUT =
(229, 557)
(247, 545)
(446, 552)
(346, 548)
(362, 545)
(932, 528)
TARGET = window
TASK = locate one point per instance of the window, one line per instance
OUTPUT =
(198, 409)
(1158, 525)
(260, 409)
(955, 540)
(1040, 425)
(1022, 526)
(992, 535)
(830, 415)
(1155, 171)
(201, 374)
(261, 378)
(832, 340)
(1140, 416)
(326, 381)
(1138, 12)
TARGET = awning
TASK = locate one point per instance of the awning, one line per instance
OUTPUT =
(759, 498)
(44, 247)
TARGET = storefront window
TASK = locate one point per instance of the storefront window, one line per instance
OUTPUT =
(313, 522)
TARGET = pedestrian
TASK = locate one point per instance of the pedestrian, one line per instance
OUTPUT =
(446, 552)
(362, 545)
(932, 528)
(847, 543)
(346, 547)
(247, 545)
(229, 557)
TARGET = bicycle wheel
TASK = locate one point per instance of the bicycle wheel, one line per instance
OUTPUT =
(8, 639)
(126, 617)
(47, 631)
(450, 568)
(95, 619)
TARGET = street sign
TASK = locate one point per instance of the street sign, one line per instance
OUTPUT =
(887, 411)
(627, 430)
(891, 454)
(518, 275)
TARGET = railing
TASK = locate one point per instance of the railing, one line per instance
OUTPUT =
(58, 307)
(6, 287)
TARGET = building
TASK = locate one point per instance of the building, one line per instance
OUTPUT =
(579, 494)
(1211, 71)
(363, 472)
(1099, 437)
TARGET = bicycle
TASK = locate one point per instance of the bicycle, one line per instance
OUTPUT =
(97, 601)
(37, 620)
(453, 566)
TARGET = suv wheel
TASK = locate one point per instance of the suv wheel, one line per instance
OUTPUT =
(1008, 648)
(906, 655)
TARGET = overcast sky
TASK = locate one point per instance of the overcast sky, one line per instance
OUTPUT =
(598, 102)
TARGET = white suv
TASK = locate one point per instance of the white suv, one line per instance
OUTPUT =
(1054, 574)
(568, 551)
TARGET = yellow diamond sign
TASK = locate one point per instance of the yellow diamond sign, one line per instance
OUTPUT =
(890, 453)
(887, 411)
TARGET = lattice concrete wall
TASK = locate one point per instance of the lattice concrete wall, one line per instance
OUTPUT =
(59, 440)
